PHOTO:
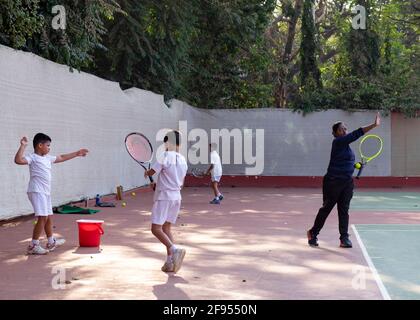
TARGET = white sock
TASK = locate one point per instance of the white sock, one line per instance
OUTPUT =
(35, 242)
(50, 240)
(172, 248)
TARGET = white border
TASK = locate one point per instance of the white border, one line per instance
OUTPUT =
(375, 273)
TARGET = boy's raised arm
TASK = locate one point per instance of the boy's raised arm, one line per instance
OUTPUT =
(69, 156)
(19, 158)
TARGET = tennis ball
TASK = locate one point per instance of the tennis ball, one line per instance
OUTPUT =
(358, 165)
(133, 194)
(124, 204)
(35, 222)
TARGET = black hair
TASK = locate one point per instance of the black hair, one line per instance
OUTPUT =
(173, 137)
(40, 138)
(336, 126)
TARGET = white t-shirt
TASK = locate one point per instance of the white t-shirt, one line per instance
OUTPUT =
(40, 172)
(171, 169)
(217, 164)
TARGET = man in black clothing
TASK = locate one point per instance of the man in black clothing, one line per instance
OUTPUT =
(337, 186)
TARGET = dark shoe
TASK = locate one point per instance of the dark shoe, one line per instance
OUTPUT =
(312, 241)
(346, 243)
(221, 197)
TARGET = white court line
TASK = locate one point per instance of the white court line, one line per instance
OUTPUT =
(396, 230)
(375, 273)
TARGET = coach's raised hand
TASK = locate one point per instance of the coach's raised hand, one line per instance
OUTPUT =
(377, 120)
(377, 123)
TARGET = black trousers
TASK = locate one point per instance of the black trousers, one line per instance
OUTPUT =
(335, 191)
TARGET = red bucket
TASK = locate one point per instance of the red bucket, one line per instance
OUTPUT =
(90, 232)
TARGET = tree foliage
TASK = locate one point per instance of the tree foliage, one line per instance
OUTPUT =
(301, 54)
(310, 74)
(208, 53)
(376, 68)
(228, 57)
(147, 45)
(27, 25)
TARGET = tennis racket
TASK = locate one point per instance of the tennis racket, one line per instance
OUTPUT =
(370, 147)
(198, 173)
(141, 150)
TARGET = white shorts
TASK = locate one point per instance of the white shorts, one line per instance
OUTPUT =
(41, 203)
(215, 178)
(165, 211)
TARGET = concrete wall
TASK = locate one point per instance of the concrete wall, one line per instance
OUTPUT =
(76, 110)
(80, 110)
(405, 146)
(295, 145)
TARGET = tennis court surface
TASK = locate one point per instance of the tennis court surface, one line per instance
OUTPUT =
(393, 250)
(387, 201)
(252, 246)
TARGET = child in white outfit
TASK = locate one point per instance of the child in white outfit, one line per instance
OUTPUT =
(171, 170)
(39, 188)
(215, 169)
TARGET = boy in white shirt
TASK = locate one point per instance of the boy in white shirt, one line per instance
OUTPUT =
(215, 170)
(39, 188)
(171, 170)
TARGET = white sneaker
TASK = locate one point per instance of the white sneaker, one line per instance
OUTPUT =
(177, 258)
(168, 267)
(32, 249)
(55, 244)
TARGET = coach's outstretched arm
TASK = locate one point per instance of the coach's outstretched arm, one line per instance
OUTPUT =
(377, 123)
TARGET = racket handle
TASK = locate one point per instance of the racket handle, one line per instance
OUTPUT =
(360, 171)
(152, 182)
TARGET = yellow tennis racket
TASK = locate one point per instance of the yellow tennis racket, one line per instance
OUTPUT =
(370, 148)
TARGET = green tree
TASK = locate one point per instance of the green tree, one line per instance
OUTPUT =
(204, 52)
(223, 59)
(19, 20)
(363, 46)
(26, 25)
(310, 74)
(147, 46)
(235, 53)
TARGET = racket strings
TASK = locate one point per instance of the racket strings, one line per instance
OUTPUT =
(197, 172)
(370, 148)
(139, 148)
